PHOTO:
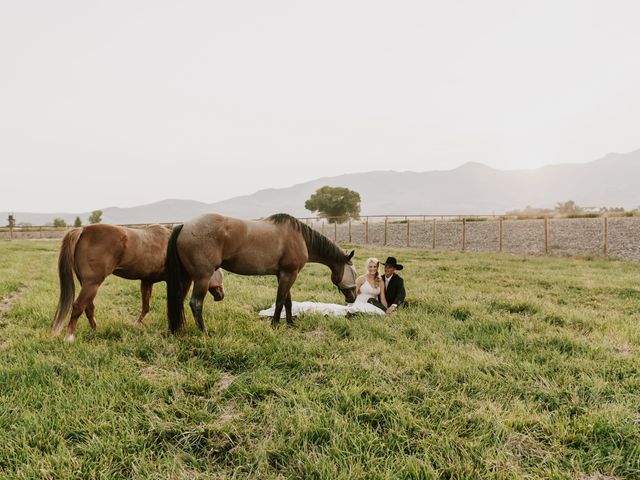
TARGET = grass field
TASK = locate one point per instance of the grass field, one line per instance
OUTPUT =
(500, 367)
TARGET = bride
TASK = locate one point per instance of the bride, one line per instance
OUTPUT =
(368, 286)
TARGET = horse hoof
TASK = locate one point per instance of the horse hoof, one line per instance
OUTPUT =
(274, 325)
(69, 338)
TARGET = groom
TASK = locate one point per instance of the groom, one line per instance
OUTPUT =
(393, 286)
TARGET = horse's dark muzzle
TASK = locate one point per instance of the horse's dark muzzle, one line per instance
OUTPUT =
(217, 292)
(349, 294)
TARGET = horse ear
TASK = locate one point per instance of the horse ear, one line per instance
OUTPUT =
(350, 256)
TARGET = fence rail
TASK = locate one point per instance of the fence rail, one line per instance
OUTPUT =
(604, 236)
(600, 236)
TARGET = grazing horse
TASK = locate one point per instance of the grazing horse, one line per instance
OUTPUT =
(96, 251)
(279, 245)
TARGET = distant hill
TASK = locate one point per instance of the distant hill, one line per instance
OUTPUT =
(472, 188)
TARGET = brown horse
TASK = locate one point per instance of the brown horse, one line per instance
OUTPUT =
(279, 245)
(96, 251)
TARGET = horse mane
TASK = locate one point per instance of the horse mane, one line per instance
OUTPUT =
(316, 242)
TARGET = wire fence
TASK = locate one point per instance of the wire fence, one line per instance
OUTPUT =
(600, 236)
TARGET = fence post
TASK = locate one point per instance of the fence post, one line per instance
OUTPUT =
(335, 231)
(434, 233)
(408, 233)
(366, 231)
(349, 230)
(386, 220)
(464, 233)
(546, 235)
(322, 227)
(11, 222)
(605, 235)
(500, 228)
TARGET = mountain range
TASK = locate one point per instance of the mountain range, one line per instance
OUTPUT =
(472, 188)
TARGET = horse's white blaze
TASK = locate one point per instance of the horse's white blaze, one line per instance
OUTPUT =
(217, 278)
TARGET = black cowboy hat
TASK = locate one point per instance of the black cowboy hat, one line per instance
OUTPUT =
(392, 262)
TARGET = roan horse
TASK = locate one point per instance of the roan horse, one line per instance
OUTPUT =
(279, 245)
(96, 251)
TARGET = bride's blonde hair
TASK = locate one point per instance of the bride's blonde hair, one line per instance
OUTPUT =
(376, 262)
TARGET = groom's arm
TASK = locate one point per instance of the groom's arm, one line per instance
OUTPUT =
(400, 294)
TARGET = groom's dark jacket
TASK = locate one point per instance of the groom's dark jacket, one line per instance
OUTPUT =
(394, 292)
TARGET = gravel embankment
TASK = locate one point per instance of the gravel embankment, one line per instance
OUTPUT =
(567, 237)
(33, 233)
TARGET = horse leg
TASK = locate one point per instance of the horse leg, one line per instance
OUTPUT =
(186, 285)
(287, 307)
(85, 298)
(145, 291)
(285, 281)
(90, 313)
(200, 289)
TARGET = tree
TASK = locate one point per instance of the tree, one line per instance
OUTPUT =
(59, 222)
(611, 209)
(568, 208)
(530, 211)
(78, 222)
(336, 204)
(96, 216)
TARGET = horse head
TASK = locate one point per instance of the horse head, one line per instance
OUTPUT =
(344, 277)
(215, 285)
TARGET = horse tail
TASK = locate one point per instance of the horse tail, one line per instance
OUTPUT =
(66, 263)
(175, 281)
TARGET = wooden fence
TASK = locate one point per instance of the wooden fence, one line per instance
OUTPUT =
(592, 236)
(599, 236)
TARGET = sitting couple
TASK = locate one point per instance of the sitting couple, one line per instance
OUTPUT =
(386, 294)
(376, 295)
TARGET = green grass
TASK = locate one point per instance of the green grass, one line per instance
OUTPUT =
(500, 367)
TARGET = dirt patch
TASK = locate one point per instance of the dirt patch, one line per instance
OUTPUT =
(7, 302)
(316, 334)
(160, 375)
(598, 476)
(225, 381)
(227, 415)
(522, 446)
(623, 348)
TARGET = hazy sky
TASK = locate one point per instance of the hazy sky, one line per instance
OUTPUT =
(122, 103)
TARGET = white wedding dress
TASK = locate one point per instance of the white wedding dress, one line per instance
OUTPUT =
(359, 306)
(367, 292)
